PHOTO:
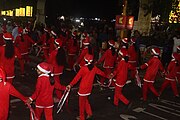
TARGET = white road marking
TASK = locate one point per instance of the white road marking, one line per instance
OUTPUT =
(163, 108)
(127, 117)
(138, 110)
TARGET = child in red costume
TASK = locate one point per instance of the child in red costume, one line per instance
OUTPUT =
(6, 89)
(178, 70)
(8, 54)
(23, 42)
(132, 57)
(43, 93)
(121, 73)
(57, 59)
(72, 50)
(86, 74)
(153, 65)
(171, 75)
(86, 49)
(108, 59)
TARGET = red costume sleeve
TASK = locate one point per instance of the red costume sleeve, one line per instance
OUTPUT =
(77, 77)
(14, 92)
(59, 86)
(81, 56)
(99, 72)
(38, 88)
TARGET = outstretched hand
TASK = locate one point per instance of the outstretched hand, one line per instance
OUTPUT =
(68, 87)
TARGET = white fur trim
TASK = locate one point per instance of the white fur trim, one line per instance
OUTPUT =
(44, 106)
(6, 38)
(43, 70)
(155, 52)
(52, 32)
(170, 79)
(119, 85)
(83, 94)
(148, 81)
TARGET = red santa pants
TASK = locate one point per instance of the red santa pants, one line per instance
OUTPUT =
(47, 111)
(146, 86)
(173, 86)
(133, 72)
(58, 92)
(84, 106)
(178, 77)
(119, 96)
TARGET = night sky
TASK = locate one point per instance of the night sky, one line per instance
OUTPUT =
(84, 8)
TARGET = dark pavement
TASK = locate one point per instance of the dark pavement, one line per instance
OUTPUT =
(167, 108)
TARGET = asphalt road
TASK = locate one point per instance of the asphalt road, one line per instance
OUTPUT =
(167, 108)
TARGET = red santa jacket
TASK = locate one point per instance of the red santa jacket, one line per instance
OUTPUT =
(132, 54)
(80, 59)
(87, 77)
(108, 58)
(23, 46)
(71, 49)
(121, 72)
(1, 39)
(153, 65)
(51, 44)
(178, 69)
(172, 71)
(6, 89)
(8, 64)
(57, 70)
(44, 92)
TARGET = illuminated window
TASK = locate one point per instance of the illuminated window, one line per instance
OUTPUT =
(174, 16)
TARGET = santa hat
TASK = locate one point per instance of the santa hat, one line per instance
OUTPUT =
(44, 67)
(46, 29)
(178, 47)
(133, 40)
(111, 43)
(74, 33)
(86, 41)
(53, 33)
(58, 42)
(125, 40)
(20, 30)
(7, 36)
(175, 56)
(88, 58)
(123, 52)
(156, 51)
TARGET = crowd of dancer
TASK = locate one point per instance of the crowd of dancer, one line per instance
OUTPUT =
(69, 48)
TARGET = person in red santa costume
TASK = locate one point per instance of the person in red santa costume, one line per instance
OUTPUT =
(53, 36)
(152, 66)
(57, 59)
(72, 50)
(86, 49)
(44, 39)
(86, 74)
(120, 74)
(23, 42)
(124, 43)
(43, 94)
(8, 54)
(108, 59)
(7, 89)
(171, 75)
(178, 70)
(132, 57)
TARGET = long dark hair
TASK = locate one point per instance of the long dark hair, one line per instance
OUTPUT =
(22, 38)
(9, 49)
(90, 66)
(51, 79)
(61, 57)
(113, 50)
(90, 51)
